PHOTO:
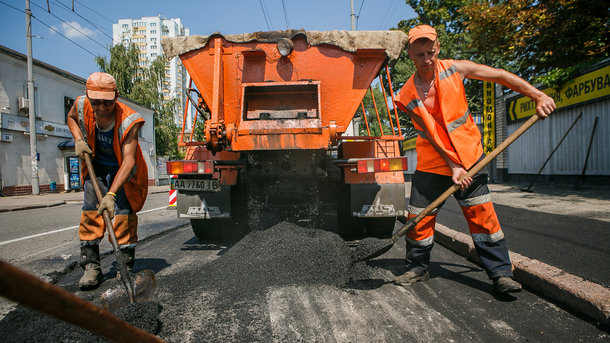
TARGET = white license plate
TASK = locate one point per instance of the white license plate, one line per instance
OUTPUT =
(197, 185)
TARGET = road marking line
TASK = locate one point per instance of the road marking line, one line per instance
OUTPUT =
(65, 229)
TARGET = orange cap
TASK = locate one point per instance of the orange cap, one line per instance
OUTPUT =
(422, 31)
(101, 86)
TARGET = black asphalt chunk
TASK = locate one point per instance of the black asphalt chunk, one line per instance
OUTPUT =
(26, 325)
(224, 296)
(371, 247)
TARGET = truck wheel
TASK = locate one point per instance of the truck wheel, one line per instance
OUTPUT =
(380, 227)
(207, 229)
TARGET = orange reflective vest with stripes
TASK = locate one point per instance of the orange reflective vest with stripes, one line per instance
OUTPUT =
(454, 131)
(136, 187)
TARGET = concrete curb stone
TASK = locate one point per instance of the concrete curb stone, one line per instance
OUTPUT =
(31, 206)
(586, 297)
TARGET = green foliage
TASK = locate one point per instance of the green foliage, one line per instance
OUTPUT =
(143, 85)
(545, 41)
(540, 38)
(123, 65)
(371, 116)
(448, 20)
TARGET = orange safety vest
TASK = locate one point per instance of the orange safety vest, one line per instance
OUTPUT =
(458, 135)
(136, 187)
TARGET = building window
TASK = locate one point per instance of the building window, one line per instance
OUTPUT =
(153, 32)
(153, 24)
(68, 103)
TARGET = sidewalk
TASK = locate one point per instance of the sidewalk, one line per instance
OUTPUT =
(25, 202)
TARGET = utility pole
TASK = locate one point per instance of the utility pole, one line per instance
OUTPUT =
(351, 2)
(31, 104)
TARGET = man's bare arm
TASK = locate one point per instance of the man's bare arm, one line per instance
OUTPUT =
(545, 105)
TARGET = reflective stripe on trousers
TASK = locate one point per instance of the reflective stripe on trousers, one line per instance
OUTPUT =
(478, 211)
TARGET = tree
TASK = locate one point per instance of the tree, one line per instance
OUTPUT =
(371, 116)
(123, 65)
(448, 20)
(538, 37)
(143, 85)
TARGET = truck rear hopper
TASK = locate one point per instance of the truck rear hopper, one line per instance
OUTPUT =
(276, 107)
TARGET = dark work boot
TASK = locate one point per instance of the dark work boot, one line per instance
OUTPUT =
(411, 277)
(129, 256)
(90, 262)
(505, 284)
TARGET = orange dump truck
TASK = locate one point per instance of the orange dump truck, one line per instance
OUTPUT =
(276, 107)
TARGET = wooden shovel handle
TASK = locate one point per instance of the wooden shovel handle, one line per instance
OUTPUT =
(125, 278)
(477, 167)
(44, 297)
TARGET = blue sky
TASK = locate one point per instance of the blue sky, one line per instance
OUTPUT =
(95, 18)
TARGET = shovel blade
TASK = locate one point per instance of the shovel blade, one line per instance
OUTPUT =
(144, 289)
(369, 248)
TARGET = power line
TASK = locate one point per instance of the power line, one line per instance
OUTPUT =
(83, 18)
(268, 15)
(13, 7)
(389, 13)
(94, 11)
(61, 34)
(285, 15)
(43, 23)
(82, 33)
(358, 16)
(264, 14)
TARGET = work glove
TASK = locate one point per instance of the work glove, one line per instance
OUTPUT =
(81, 147)
(107, 204)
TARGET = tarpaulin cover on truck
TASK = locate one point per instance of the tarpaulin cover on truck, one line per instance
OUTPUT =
(392, 41)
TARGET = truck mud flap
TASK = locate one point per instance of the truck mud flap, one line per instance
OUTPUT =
(205, 205)
(377, 200)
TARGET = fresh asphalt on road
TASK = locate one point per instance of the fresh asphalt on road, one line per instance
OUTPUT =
(575, 244)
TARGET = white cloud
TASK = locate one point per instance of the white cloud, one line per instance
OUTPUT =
(71, 30)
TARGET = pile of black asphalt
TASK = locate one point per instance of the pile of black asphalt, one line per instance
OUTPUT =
(222, 300)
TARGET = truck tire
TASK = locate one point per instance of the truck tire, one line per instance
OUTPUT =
(226, 229)
(207, 229)
(379, 227)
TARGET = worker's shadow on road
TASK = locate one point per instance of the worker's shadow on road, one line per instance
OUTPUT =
(451, 271)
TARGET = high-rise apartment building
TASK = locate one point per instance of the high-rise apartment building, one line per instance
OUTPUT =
(146, 34)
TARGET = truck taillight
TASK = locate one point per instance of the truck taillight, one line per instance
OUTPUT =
(190, 167)
(376, 165)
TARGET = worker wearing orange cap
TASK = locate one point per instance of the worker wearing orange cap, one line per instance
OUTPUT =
(447, 146)
(108, 130)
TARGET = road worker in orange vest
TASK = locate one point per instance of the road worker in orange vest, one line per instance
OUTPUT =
(108, 130)
(448, 145)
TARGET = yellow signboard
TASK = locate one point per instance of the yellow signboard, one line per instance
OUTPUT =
(489, 117)
(593, 85)
(408, 144)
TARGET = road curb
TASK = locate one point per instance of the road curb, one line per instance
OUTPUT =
(585, 297)
(31, 206)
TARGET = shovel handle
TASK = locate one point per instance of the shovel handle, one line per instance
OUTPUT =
(44, 297)
(115, 245)
(477, 167)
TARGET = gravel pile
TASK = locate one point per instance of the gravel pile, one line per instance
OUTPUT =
(223, 300)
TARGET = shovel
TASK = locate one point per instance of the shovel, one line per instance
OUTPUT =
(144, 287)
(369, 248)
